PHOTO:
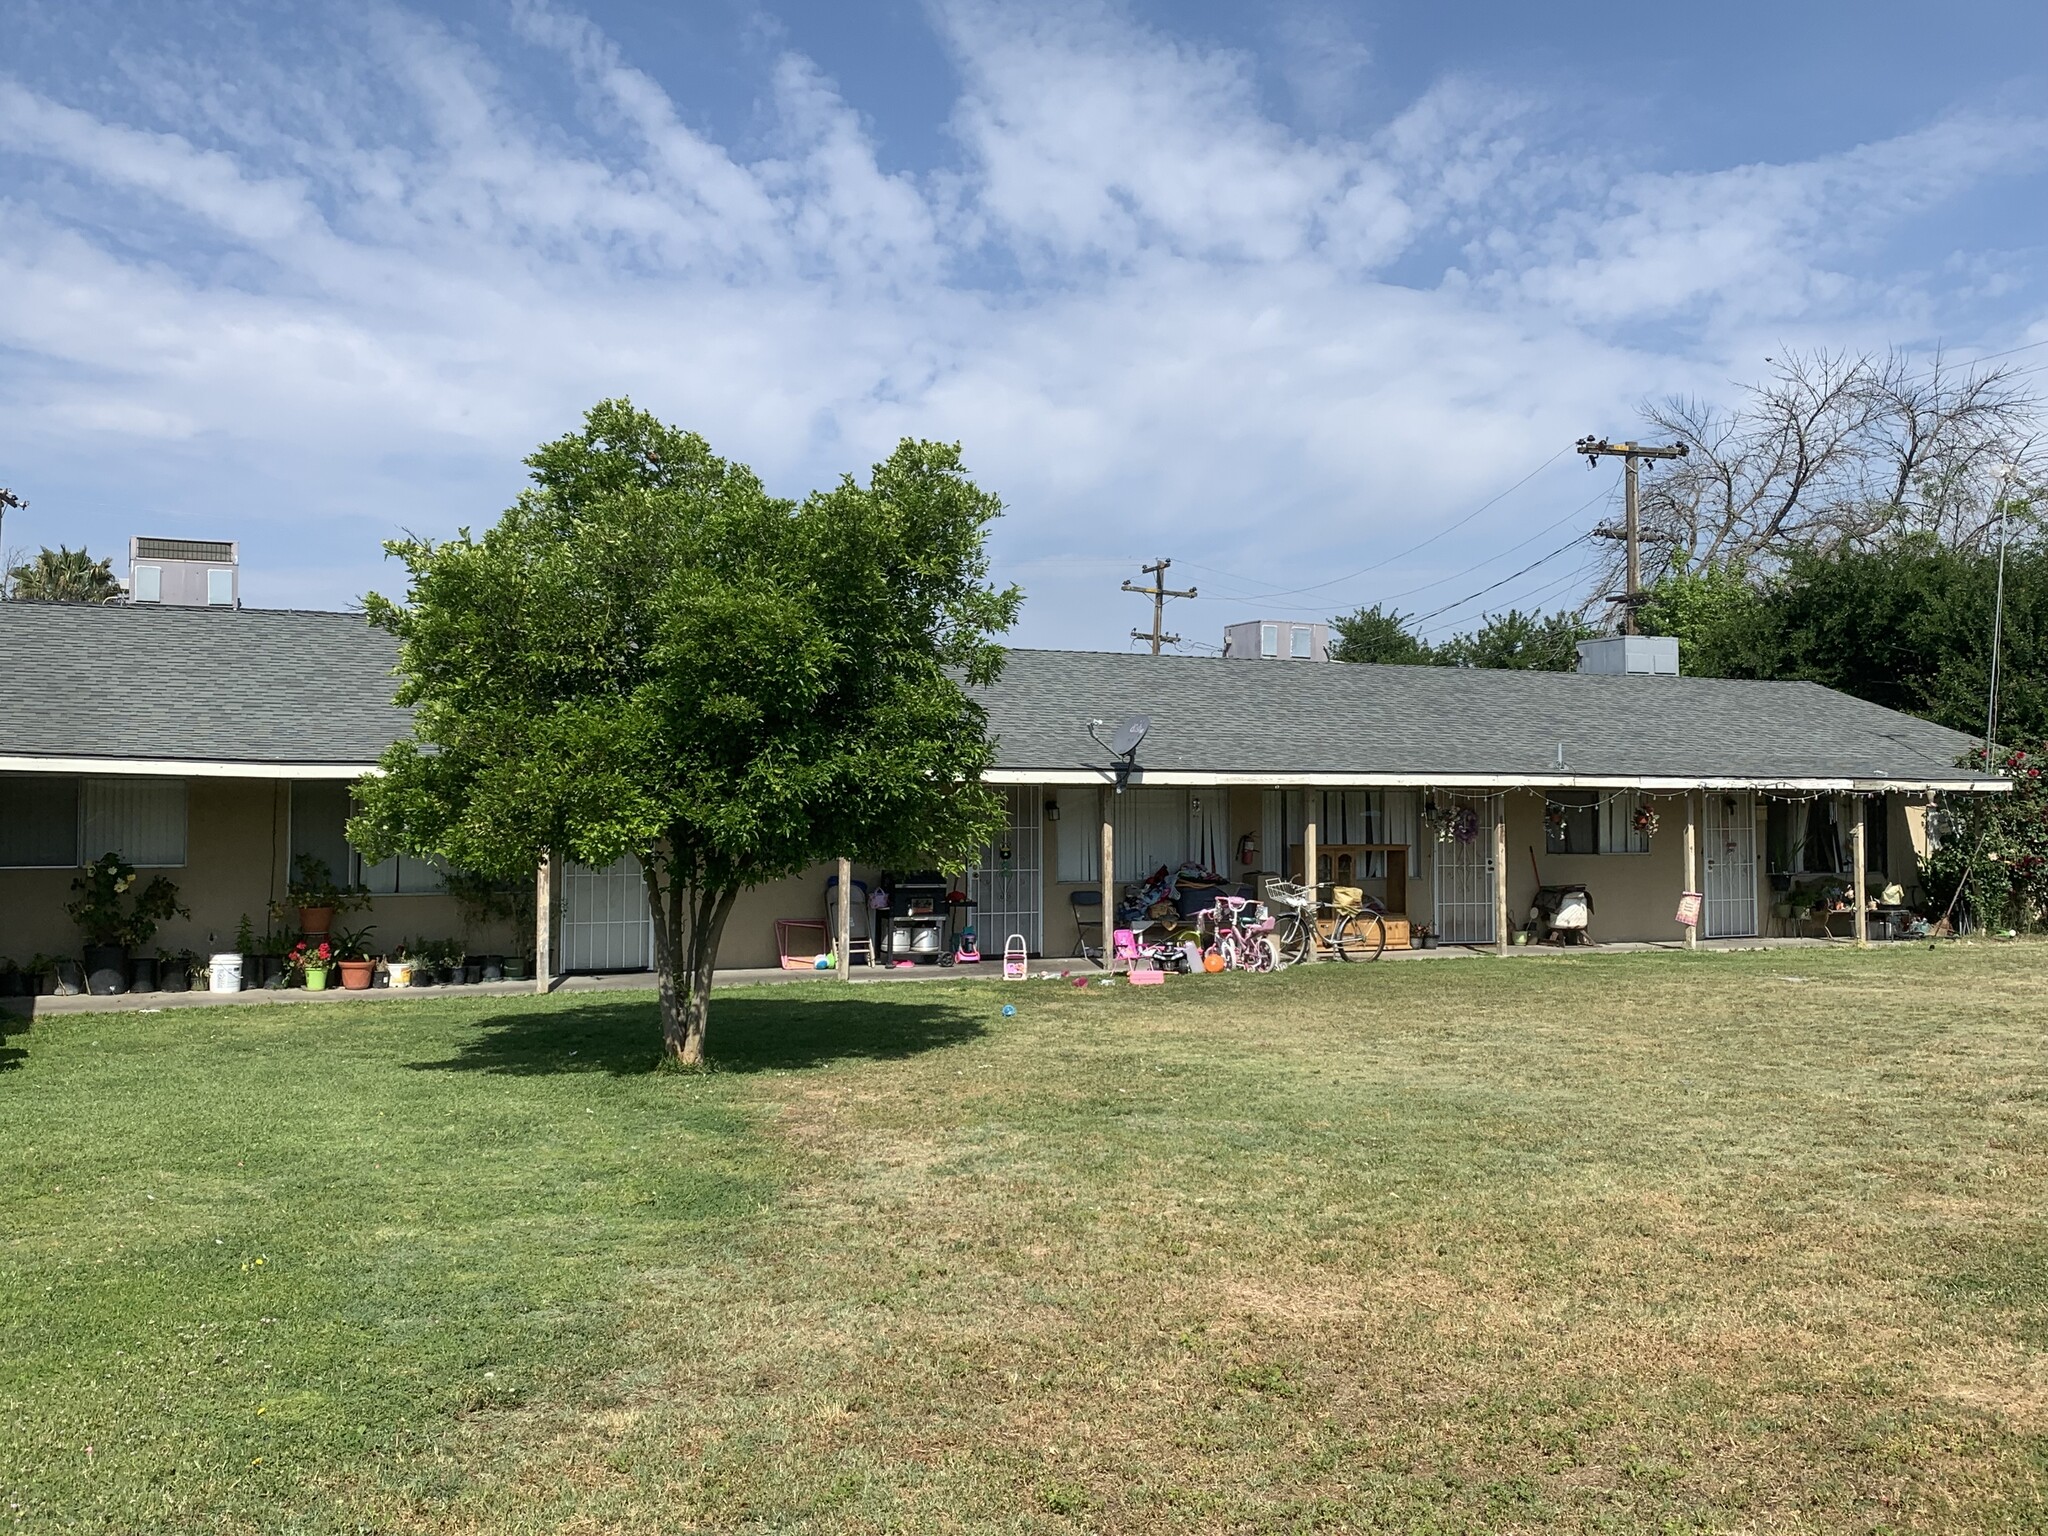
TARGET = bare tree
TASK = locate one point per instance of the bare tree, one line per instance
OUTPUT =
(1838, 449)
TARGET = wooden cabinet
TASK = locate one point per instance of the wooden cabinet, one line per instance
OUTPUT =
(1339, 863)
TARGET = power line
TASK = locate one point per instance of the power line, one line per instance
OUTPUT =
(1600, 495)
(1525, 570)
(1400, 555)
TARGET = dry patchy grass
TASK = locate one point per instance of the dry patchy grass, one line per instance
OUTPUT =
(1717, 1243)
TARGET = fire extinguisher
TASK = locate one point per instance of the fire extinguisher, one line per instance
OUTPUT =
(1247, 848)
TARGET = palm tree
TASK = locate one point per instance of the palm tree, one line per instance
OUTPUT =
(65, 575)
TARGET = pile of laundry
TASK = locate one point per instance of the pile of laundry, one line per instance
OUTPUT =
(1170, 894)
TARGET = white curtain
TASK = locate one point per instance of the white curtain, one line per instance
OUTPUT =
(1151, 830)
(1209, 829)
(1079, 840)
(1342, 816)
(1618, 832)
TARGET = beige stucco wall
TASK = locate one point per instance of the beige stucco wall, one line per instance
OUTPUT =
(237, 838)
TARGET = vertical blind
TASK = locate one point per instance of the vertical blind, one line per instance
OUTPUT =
(143, 820)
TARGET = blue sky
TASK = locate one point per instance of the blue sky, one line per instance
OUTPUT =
(1280, 291)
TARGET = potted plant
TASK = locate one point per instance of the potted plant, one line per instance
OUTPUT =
(518, 968)
(1424, 936)
(311, 959)
(10, 978)
(113, 926)
(398, 965)
(352, 956)
(313, 892)
(39, 976)
(174, 972)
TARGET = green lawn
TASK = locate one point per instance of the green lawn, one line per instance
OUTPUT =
(1670, 1243)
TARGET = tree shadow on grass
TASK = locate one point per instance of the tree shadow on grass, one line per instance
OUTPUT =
(16, 1015)
(747, 1034)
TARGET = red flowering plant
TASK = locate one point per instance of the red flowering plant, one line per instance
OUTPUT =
(1990, 853)
(310, 955)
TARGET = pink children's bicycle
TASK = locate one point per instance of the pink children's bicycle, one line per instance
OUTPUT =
(1240, 930)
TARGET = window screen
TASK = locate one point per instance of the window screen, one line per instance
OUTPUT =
(1269, 639)
(1571, 821)
(38, 823)
(148, 584)
(1300, 639)
(143, 820)
(220, 588)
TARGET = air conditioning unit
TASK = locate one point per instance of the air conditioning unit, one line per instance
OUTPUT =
(185, 573)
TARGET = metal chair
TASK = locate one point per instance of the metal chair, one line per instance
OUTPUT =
(1087, 909)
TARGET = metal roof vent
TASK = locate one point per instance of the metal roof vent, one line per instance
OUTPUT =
(185, 573)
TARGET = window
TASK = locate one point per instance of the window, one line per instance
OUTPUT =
(1571, 821)
(1301, 643)
(1152, 827)
(148, 584)
(1269, 639)
(403, 875)
(1802, 838)
(1618, 830)
(38, 823)
(143, 820)
(320, 812)
(220, 588)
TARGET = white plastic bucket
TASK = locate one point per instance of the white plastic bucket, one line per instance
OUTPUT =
(224, 973)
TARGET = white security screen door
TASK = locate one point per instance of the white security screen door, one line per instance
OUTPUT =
(1728, 847)
(1464, 873)
(605, 922)
(1007, 880)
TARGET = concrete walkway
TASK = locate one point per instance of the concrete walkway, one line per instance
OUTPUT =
(988, 970)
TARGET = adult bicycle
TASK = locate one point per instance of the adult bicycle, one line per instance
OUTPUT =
(1357, 933)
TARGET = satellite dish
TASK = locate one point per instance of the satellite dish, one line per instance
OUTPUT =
(1129, 734)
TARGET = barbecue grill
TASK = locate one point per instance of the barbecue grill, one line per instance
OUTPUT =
(915, 926)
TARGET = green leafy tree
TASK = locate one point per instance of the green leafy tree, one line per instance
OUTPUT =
(1519, 642)
(1991, 859)
(1907, 626)
(1377, 634)
(64, 576)
(649, 656)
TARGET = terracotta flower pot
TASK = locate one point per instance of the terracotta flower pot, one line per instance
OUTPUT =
(355, 974)
(315, 920)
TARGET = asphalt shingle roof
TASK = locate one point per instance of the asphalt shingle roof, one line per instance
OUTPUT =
(1303, 717)
(198, 684)
(244, 686)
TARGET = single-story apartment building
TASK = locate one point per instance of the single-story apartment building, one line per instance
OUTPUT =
(218, 744)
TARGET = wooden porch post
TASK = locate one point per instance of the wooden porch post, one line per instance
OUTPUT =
(1860, 884)
(543, 923)
(1692, 865)
(1108, 873)
(843, 938)
(1500, 878)
(1310, 813)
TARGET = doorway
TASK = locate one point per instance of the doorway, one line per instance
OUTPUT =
(1728, 847)
(605, 922)
(1463, 865)
(1006, 881)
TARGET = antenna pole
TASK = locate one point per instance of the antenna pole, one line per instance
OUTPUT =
(1159, 592)
(1630, 454)
(1997, 634)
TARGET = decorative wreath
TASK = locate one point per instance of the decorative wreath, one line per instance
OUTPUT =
(1646, 821)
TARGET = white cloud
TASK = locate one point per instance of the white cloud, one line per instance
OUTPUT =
(356, 302)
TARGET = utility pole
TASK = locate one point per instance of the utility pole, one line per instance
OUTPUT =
(1159, 592)
(1595, 448)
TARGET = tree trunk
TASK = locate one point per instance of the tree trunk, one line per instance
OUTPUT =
(687, 926)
